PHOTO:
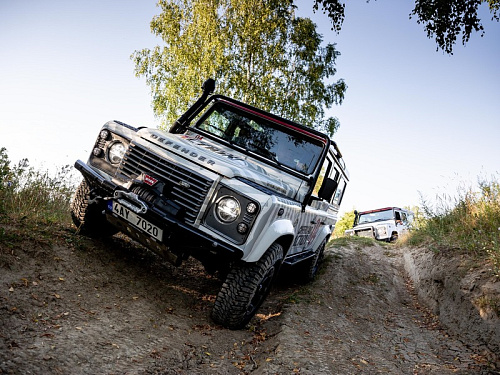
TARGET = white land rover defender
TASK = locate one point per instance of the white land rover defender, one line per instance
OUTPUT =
(239, 189)
(384, 224)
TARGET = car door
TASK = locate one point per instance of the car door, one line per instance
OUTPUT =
(319, 212)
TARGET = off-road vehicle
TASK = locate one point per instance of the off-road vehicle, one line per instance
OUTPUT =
(239, 189)
(384, 224)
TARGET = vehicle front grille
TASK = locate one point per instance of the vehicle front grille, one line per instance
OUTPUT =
(365, 232)
(189, 188)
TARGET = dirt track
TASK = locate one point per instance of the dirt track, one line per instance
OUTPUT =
(109, 307)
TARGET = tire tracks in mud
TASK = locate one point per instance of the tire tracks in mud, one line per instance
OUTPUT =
(361, 317)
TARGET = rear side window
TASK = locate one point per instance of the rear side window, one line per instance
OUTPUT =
(337, 198)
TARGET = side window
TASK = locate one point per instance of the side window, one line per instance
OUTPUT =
(327, 166)
(403, 217)
(337, 198)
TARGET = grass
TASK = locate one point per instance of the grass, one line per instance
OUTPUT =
(468, 223)
(33, 197)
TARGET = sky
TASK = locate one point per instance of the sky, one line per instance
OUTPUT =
(415, 123)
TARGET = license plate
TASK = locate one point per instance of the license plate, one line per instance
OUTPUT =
(137, 221)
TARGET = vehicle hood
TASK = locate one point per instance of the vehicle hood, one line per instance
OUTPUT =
(373, 224)
(225, 161)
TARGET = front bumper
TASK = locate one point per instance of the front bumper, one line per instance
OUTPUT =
(366, 232)
(179, 240)
(369, 232)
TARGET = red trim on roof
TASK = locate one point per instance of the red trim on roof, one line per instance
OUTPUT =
(379, 210)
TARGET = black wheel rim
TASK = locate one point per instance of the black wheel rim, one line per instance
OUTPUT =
(261, 291)
(318, 261)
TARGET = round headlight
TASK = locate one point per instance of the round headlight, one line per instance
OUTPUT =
(228, 209)
(116, 152)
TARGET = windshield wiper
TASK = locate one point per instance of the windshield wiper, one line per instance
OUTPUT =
(242, 145)
(274, 158)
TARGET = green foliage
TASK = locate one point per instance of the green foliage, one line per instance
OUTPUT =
(469, 223)
(335, 9)
(418, 217)
(4, 168)
(344, 223)
(257, 51)
(32, 195)
(443, 20)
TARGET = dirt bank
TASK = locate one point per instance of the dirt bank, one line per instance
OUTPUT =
(71, 305)
(461, 291)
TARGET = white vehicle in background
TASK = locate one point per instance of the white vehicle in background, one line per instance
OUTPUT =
(384, 224)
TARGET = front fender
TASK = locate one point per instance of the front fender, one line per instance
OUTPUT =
(277, 229)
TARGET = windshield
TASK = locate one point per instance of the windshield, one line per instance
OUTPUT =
(262, 137)
(375, 216)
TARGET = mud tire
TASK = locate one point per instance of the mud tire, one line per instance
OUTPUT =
(313, 265)
(245, 288)
(394, 237)
(88, 216)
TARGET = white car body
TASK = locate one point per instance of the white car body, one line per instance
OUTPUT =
(229, 184)
(384, 224)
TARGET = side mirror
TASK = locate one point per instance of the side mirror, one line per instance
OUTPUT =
(327, 189)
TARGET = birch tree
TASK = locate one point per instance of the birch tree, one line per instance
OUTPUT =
(258, 51)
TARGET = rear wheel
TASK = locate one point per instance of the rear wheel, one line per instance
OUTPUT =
(313, 264)
(245, 288)
(88, 215)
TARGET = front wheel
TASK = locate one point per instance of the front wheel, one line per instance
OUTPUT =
(394, 237)
(245, 288)
(88, 215)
